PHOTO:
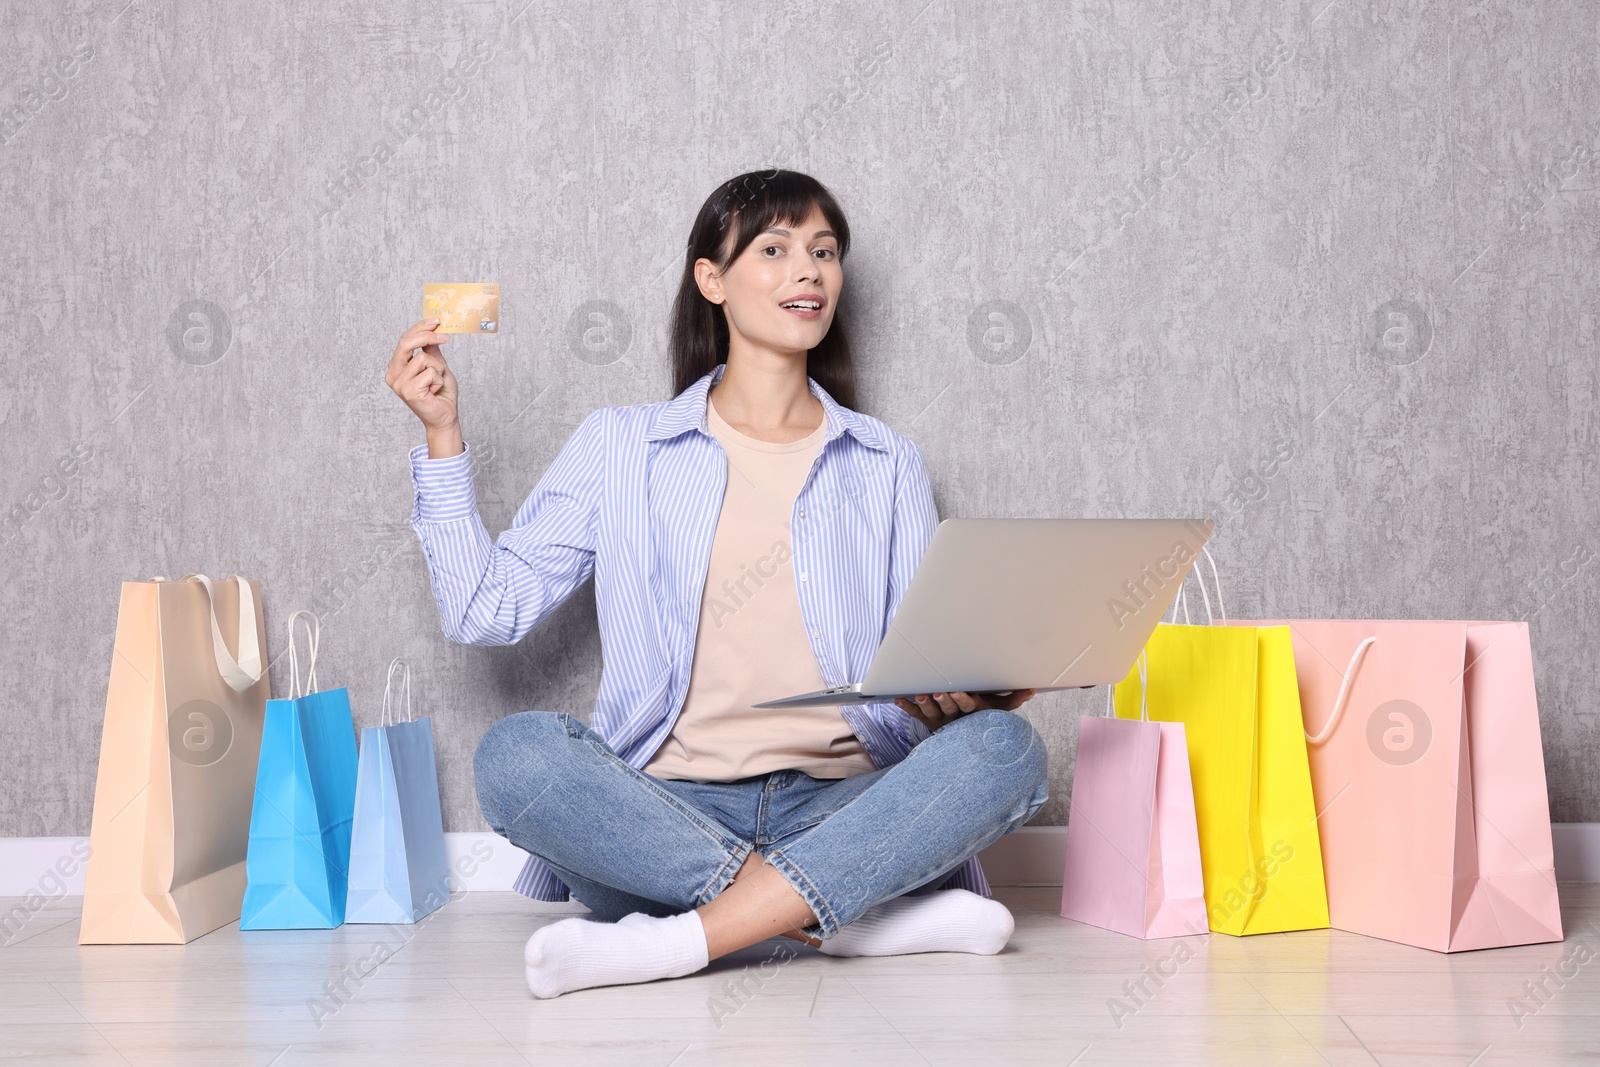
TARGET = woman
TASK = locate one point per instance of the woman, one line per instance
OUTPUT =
(750, 539)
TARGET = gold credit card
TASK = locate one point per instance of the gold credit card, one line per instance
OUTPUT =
(462, 307)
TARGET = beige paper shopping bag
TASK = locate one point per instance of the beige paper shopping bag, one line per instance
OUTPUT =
(177, 762)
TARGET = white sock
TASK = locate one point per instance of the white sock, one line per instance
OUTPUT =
(577, 953)
(948, 920)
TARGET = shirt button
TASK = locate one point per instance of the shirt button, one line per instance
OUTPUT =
(802, 513)
(816, 633)
(802, 576)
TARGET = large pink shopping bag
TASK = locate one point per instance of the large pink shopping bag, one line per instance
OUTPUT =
(1428, 771)
(1133, 846)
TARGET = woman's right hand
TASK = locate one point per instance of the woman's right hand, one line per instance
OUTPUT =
(424, 381)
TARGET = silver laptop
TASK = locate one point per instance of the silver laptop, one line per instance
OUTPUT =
(1043, 604)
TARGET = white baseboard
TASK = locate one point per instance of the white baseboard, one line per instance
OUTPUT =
(1035, 855)
(1577, 851)
(52, 867)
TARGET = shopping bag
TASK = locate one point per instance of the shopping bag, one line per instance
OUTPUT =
(299, 853)
(398, 872)
(177, 762)
(1233, 688)
(1133, 847)
(1428, 768)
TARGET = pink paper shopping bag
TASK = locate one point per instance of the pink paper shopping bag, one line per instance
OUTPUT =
(1428, 771)
(1133, 846)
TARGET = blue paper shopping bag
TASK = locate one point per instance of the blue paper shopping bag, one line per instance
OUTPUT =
(398, 872)
(298, 856)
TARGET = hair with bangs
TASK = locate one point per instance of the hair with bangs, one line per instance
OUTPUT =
(752, 202)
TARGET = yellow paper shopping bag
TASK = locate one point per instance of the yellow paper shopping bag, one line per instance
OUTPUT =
(1235, 691)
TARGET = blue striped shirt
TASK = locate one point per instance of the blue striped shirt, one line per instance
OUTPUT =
(633, 498)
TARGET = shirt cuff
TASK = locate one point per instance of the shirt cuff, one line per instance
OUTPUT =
(444, 488)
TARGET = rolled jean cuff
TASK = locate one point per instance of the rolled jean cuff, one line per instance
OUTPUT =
(827, 923)
(723, 878)
(739, 851)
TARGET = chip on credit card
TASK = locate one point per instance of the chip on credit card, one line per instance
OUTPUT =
(462, 307)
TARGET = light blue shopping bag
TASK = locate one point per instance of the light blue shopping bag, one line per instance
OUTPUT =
(398, 872)
(298, 856)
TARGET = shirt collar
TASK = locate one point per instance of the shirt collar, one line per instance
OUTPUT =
(687, 411)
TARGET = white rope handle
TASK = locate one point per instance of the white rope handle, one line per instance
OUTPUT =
(405, 684)
(313, 636)
(1179, 601)
(246, 671)
(1182, 600)
(1144, 688)
(1216, 584)
(1344, 691)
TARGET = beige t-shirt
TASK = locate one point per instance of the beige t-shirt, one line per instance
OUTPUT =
(751, 644)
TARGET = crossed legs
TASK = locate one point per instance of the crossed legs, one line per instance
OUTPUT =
(553, 787)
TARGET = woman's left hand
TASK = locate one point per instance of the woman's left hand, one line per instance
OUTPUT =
(941, 709)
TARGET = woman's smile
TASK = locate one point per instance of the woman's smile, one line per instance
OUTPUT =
(807, 306)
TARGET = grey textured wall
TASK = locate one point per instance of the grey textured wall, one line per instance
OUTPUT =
(1325, 272)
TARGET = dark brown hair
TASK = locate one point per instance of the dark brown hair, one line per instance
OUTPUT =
(752, 202)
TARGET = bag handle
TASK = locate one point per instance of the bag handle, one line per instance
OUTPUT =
(405, 684)
(1182, 600)
(1344, 691)
(1144, 685)
(313, 637)
(246, 671)
(1179, 601)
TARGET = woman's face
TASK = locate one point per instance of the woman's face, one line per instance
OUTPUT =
(786, 263)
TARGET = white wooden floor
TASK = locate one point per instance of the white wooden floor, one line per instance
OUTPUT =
(450, 991)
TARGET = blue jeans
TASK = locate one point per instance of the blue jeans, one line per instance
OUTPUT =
(625, 841)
